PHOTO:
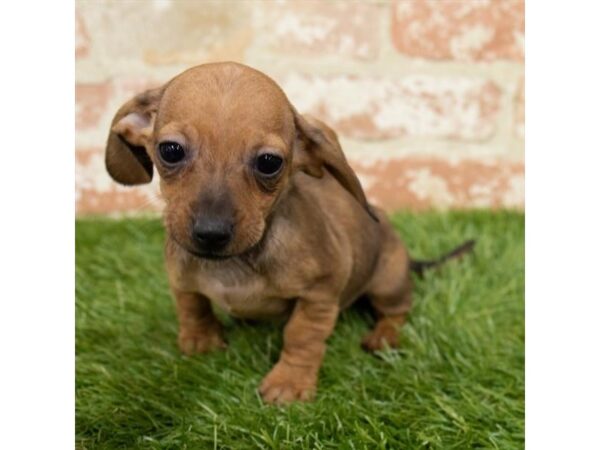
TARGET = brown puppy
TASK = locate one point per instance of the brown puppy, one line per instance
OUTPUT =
(264, 217)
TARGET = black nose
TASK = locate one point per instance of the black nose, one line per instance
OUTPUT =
(212, 233)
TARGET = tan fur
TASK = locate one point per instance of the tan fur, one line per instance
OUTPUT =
(305, 246)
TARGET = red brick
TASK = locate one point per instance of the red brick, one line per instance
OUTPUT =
(96, 103)
(520, 110)
(97, 193)
(82, 38)
(383, 108)
(167, 32)
(348, 29)
(425, 182)
(113, 201)
(460, 30)
(126, 88)
(91, 101)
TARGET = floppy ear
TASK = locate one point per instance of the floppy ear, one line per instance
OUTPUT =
(127, 160)
(317, 147)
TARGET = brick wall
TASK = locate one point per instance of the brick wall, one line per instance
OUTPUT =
(426, 96)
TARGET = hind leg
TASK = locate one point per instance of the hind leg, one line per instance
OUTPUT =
(390, 294)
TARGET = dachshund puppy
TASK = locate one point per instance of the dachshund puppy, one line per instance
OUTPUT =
(264, 218)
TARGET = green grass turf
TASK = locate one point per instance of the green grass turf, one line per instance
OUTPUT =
(457, 381)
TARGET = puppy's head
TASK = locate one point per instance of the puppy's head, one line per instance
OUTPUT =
(225, 142)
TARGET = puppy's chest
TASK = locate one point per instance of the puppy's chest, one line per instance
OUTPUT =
(242, 296)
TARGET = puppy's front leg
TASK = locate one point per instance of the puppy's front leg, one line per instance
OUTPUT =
(294, 377)
(199, 330)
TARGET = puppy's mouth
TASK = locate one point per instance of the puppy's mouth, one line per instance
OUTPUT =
(208, 255)
(214, 256)
(204, 254)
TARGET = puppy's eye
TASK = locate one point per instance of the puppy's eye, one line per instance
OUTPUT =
(171, 152)
(268, 164)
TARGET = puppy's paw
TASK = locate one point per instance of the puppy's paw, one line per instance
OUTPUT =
(286, 384)
(384, 335)
(192, 342)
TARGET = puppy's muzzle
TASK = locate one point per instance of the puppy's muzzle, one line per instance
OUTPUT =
(212, 234)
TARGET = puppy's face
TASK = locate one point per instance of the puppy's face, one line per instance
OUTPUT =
(224, 140)
(224, 156)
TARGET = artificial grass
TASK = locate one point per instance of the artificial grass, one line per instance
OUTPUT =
(457, 381)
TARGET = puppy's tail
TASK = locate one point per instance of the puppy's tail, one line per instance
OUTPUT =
(419, 266)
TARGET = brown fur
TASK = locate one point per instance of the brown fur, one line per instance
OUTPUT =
(305, 245)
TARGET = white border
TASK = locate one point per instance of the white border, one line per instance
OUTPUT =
(563, 225)
(37, 226)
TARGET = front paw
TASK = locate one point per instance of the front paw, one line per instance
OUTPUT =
(286, 383)
(385, 335)
(196, 341)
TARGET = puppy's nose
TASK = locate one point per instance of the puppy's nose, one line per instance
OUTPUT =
(212, 233)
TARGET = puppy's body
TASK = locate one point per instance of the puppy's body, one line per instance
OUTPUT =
(318, 235)
(264, 217)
